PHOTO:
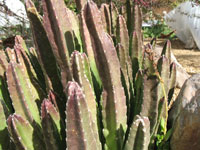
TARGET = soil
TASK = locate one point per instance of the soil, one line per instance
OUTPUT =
(188, 58)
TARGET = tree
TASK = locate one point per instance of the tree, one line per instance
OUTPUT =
(13, 19)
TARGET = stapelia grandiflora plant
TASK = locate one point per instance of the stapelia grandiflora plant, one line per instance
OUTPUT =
(89, 83)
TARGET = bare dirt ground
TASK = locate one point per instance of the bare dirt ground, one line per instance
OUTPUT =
(189, 59)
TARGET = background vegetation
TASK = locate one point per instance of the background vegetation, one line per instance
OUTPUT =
(153, 10)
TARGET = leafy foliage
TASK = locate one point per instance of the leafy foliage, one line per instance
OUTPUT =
(157, 30)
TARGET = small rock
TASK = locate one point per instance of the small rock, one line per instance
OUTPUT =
(185, 116)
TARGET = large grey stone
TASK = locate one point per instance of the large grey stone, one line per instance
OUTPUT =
(185, 116)
(187, 92)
